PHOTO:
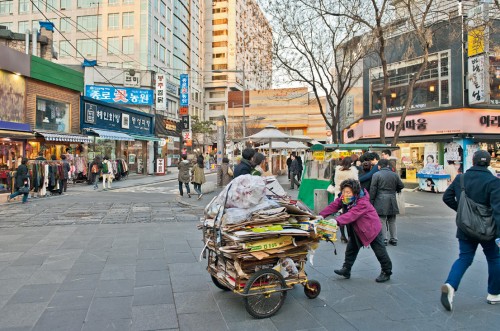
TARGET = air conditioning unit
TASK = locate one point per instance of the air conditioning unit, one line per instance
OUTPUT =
(62, 8)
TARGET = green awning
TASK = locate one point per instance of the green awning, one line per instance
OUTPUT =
(146, 138)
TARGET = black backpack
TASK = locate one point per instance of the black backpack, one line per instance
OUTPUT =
(474, 219)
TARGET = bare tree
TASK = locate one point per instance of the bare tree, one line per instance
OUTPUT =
(313, 48)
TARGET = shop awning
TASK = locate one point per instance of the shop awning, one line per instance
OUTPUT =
(112, 135)
(147, 138)
(63, 137)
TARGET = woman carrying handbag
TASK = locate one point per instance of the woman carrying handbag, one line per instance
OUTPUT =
(22, 185)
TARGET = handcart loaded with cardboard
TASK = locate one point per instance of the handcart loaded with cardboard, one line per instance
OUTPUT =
(257, 242)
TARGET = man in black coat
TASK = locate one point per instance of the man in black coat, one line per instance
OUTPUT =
(294, 172)
(245, 166)
(484, 188)
(301, 167)
(384, 185)
(288, 165)
(366, 179)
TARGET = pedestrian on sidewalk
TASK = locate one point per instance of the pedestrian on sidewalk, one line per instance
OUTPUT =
(95, 171)
(484, 188)
(383, 189)
(107, 173)
(21, 183)
(301, 167)
(342, 172)
(66, 169)
(294, 172)
(198, 178)
(288, 165)
(366, 179)
(224, 173)
(259, 165)
(363, 227)
(184, 175)
(245, 166)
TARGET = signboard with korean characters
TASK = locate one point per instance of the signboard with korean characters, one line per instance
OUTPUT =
(476, 79)
(188, 138)
(160, 100)
(130, 80)
(185, 123)
(184, 102)
(99, 116)
(120, 95)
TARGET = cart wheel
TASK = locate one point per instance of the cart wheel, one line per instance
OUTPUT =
(312, 289)
(265, 295)
(218, 284)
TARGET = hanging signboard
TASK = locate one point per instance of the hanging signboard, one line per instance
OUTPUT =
(161, 101)
(185, 123)
(131, 80)
(120, 95)
(184, 102)
(188, 138)
(477, 81)
(183, 111)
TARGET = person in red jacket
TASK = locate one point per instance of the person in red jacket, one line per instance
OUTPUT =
(363, 226)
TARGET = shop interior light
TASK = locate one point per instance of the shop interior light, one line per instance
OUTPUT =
(393, 95)
(431, 88)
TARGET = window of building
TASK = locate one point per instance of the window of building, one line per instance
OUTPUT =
(6, 7)
(219, 77)
(88, 23)
(128, 45)
(219, 21)
(113, 45)
(65, 24)
(38, 6)
(52, 5)
(218, 94)
(162, 54)
(8, 25)
(219, 44)
(169, 59)
(156, 25)
(22, 26)
(163, 30)
(219, 33)
(65, 49)
(163, 8)
(156, 50)
(128, 65)
(113, 21)
(128, 20)
(430, 91)
(219, 10)
(218, 55)
(24, 6)
(217, 106)
(169, 37)
(66, 4)
(87, 3)
(169, 16)
(115, 64)
(113, 2)
(219, 66)
(86, 47)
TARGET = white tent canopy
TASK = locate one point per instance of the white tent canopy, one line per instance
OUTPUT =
(285, 145)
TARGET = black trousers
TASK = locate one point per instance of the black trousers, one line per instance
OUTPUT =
(64, 184)
(378, 247)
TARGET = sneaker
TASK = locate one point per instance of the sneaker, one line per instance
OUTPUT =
(199, 196)
(447, 293)
(385, 242)
(383, 277)
(393, 242)
(343, 272)
(493, 299)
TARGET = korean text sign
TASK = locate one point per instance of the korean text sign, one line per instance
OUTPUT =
(120, 95)
(184, 90)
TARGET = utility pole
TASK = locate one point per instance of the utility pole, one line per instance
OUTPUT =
(244, 101)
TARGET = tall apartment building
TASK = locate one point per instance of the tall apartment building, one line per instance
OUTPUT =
(238, 38)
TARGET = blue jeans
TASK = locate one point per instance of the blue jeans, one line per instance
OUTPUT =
(467, 251)
(15, 194)
(187, 188)
(197, 188)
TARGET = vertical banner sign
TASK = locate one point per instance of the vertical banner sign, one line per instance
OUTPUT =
(477, 81)
(184, 90)
(187, 137)
(185, 123)
(161, 102)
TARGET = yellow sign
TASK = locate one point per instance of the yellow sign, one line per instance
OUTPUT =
(319, 155)
(411, 174)
(262, 245)
(475, 41)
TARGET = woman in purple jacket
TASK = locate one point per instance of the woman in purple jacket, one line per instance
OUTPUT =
(363, 227)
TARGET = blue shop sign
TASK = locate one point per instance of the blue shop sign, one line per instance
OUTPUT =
(184, 102)
(121, 95)
(98, 115)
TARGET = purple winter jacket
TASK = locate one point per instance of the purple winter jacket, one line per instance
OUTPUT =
(362, 215)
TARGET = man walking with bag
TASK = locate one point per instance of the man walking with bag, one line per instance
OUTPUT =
(483, 188)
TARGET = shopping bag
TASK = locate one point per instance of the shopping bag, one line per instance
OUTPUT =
(401, 203)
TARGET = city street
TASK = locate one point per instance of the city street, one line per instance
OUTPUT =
(128, 259)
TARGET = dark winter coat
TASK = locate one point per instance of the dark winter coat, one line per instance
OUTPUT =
(244, 168)
(184, 175)
(482, 187)
(365, 180)
(385, 184)
(21, 175)
(295, 167)
(66, 169)
(361, 215)
(223, 176)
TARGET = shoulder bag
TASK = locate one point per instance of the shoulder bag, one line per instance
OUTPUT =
(474, 219)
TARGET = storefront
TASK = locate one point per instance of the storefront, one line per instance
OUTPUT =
(169, 146)
(119, 133)
(437, 142)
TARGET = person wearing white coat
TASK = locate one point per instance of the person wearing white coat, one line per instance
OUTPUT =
(342, 172)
